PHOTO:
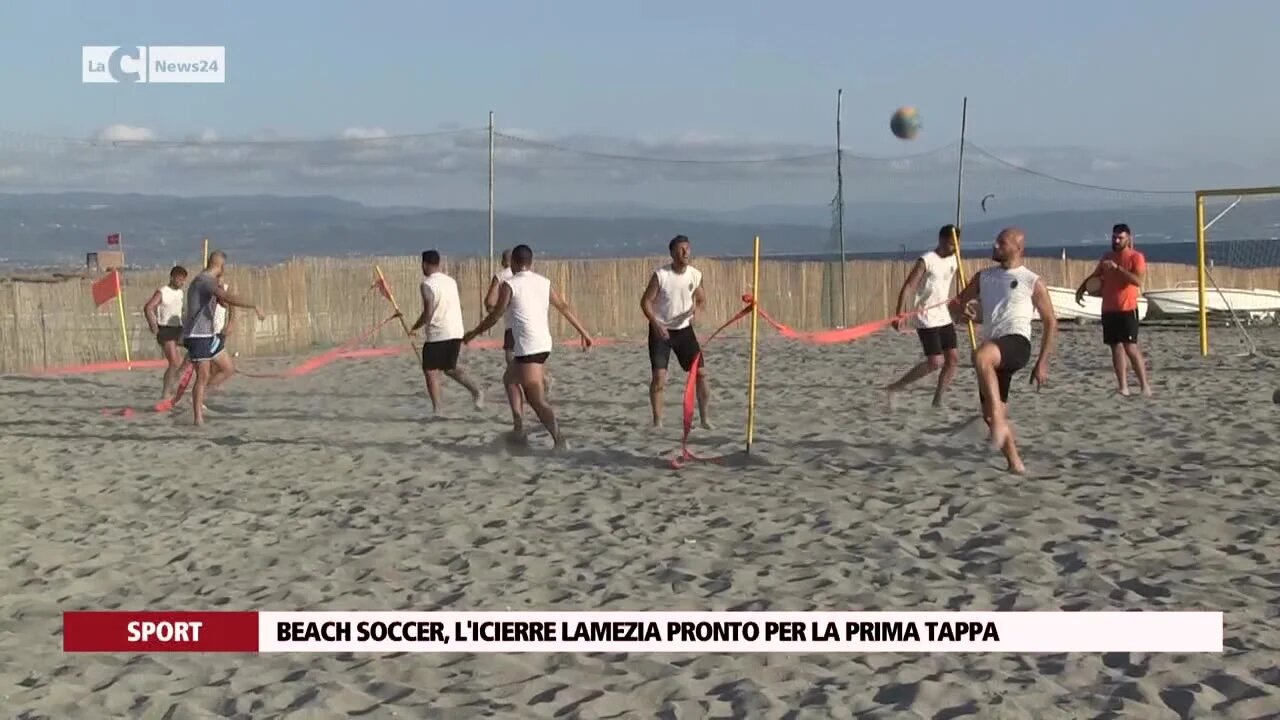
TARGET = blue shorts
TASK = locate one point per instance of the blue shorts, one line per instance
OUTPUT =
(200, 349)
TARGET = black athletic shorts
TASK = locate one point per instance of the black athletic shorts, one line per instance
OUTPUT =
(441, 355)
(1015, 353)
(508, 340)
(169, 333)
(936, 340)
(535, 359)
(1120, 327)
(683, 342)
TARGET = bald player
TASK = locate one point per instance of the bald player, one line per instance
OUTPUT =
(205, 349)
(1010, 295)
(525, 301)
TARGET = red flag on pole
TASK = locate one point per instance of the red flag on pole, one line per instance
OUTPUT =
(106, 288)
(381, 285)
(113, 239)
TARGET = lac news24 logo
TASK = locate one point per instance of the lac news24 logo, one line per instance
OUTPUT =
(153, 64)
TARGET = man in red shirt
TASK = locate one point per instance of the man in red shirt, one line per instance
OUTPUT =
(1122, 271)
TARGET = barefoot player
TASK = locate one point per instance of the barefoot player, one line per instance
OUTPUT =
(442, 314)
(525, 300)
(199, 334)
(164, 316)
(671, 301)
(1122, 271)
(512, 388)
(1010, 295)
(930, 280)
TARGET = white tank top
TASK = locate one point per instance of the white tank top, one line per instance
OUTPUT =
(445, 322)
(169, 312)
(219, 315)
(1006, 301)
(675, 295)
(528, 313)
(935, 287)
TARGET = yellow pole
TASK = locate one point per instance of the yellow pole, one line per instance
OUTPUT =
(204, 259)
(1200, 276)
(960, 284)
(408, 336)
(755, 328)
(124, 329)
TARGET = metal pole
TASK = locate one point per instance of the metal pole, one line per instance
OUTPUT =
(491, 270)
(844, 273)
(961, 280)
(964, 119)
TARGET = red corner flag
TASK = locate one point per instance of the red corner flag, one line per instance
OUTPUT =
(106, 288)
(113, 239)
(381, 284)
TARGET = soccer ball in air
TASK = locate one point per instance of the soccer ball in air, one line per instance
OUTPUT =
(905, 123)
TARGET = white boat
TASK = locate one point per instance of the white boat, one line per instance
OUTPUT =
(1184, 299)
(1065, 307)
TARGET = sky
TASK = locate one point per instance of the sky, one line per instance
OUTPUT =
(1150, 94)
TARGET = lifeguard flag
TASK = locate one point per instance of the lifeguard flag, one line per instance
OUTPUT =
(106, 288)
(113, 239)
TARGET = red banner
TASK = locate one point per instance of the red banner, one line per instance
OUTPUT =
(113, 239)
(145, 631)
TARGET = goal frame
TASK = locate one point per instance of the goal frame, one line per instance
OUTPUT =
(1201, 251)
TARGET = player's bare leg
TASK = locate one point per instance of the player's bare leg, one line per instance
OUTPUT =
(657, 383)
(921, 369)
(203, 370)
(704, 399)
(1120, 366)
(985, 361)
(515, 395)
(174, 358)
(460, 377)
(531, 378)
(1139, 367)
(950, 365)
(433, 389)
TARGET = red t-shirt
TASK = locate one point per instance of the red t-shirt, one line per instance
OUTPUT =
(1118, 293)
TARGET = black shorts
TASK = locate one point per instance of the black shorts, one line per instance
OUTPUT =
(1015, 353)
(936, 340)
(200, 349)
(441, 355)
(1120, 327)
(169, 333)
(683, 342)
(508, 340)
(534, 359)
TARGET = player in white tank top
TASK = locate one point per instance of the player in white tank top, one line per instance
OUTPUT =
(491, 300)
(163, 312)
(1010, 295)
(671, 302)
(525, 301)
(442, 316)
(932, 279)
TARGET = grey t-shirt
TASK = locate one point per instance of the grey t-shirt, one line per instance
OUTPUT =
(201, 300)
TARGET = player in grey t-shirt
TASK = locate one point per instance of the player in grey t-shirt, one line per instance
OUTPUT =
(204, 348)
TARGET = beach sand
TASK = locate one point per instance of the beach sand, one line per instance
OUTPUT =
(332, 492)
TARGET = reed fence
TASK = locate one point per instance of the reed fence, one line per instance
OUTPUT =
(312, 303)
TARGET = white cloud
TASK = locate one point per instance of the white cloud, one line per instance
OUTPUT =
(124, 133)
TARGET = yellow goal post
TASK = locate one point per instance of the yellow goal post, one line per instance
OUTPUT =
(1210, 294)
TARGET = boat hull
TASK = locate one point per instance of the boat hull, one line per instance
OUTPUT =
(1257, 303)
(1065, 307)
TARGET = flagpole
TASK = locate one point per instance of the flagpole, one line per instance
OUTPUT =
(961, 279)
(124, 329)
(407, 333)
(204, 259)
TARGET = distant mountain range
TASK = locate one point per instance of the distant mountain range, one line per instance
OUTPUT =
(59, 228)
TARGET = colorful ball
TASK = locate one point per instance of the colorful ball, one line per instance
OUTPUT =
(905, 123)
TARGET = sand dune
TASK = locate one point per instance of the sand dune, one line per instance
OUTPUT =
(332, 492)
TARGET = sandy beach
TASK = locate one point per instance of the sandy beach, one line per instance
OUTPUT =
(334, 492)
